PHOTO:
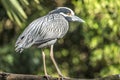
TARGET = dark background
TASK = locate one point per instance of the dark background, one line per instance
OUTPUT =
(90, 49)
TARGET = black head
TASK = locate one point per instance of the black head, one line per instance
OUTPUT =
(67, 13)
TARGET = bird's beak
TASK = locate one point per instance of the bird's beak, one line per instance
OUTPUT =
(75, 18)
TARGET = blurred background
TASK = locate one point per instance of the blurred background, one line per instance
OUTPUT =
(89, 50)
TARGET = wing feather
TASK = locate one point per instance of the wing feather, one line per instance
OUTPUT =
(42, 30)
(54, 29)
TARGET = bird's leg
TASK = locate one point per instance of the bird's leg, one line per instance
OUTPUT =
(44, 64)
(54, 62)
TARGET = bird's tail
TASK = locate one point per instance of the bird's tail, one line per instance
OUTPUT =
(20, 44)
(23, 42)
(19, 47)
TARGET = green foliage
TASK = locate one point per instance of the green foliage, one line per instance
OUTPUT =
(15, 10)
(90, 49)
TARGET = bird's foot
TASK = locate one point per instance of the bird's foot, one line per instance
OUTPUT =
(61, 77)
(47, 77)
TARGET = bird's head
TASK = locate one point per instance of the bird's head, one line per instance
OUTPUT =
(67, 13)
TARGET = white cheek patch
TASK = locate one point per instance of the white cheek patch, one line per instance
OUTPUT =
(63, 14)
(72, 13)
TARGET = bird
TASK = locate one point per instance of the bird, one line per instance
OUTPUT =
(45, 31)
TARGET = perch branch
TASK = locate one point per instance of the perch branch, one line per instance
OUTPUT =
(11, 76)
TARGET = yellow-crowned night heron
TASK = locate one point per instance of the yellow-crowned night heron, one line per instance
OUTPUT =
(46, 30)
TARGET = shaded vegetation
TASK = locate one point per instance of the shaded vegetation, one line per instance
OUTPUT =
(88, 50)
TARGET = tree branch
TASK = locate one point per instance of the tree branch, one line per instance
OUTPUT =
(10, 76)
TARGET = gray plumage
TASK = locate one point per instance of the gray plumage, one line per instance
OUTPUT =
(46, 30)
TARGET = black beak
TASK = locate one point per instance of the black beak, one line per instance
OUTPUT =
(75, 18)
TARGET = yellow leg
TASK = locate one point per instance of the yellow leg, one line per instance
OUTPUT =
(54, 62)
(44, 64)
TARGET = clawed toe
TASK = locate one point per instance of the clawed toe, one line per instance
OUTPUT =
(47, 77)
(63, 77)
